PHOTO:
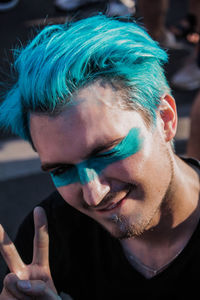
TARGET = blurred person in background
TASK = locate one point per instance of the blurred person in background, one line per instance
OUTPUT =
(69, 5)
(114, 7)
(177, 36)
(188, 28)
(7, 4)
(153, 15)
(193, 144)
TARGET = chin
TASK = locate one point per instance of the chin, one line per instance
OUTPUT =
(121, 228)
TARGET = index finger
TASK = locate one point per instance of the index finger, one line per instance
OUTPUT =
(9, 253)
(41, 238)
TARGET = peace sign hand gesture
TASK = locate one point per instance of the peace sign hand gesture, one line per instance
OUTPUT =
(34, 280)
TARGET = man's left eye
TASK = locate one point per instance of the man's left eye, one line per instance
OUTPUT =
(106, 154)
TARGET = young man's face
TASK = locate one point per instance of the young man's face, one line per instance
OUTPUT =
(105, 162)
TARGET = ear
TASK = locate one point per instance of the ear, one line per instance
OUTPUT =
(168, 116)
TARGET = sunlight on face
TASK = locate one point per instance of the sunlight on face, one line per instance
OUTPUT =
(105, 162)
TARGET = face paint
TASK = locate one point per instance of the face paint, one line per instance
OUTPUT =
(87, 170)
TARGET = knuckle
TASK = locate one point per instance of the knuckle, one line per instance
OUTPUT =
(10, 279)
(10, 285)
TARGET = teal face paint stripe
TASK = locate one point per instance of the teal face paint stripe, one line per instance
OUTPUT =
(87, 170)
(68, 177)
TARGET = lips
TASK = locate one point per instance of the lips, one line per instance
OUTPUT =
(114, 205)
(111, 206)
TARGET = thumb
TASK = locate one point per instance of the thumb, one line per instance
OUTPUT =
(37, 288)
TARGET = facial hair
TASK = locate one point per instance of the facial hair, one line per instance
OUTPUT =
(123, 227)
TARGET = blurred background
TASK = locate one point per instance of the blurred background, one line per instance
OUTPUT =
(22, 183)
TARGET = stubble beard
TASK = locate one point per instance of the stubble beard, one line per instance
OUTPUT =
(123, 228)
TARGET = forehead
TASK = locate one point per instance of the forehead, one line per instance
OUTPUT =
(95, 116)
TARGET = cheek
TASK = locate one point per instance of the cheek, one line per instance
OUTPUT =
(121, 171)
(138, 168)
(135, 166)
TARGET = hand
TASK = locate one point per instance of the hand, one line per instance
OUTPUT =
(34, 280)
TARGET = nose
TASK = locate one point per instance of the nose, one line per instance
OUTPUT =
(94, 191)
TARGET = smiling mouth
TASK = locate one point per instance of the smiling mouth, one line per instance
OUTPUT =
(114, 205)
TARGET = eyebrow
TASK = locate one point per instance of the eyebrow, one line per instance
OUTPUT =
(46, 167)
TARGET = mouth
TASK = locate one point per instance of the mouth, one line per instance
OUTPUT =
(114, 205)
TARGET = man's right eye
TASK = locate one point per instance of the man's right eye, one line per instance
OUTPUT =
(59, 171)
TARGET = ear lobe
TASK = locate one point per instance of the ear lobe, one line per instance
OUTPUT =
(168, 114)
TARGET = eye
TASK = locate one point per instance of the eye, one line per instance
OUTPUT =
(109, 153)
(60, 170)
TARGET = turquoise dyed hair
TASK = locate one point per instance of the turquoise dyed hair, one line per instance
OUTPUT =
(61, 59)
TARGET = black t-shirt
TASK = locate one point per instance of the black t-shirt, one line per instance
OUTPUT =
(88, 263)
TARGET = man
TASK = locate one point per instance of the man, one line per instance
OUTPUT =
(92, 99)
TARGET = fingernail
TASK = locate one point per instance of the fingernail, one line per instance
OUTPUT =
(24, 284)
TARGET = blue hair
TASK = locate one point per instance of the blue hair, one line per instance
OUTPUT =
(61, 59)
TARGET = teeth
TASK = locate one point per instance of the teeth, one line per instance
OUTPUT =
(112, 206)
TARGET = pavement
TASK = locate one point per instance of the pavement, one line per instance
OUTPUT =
(22, 183)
